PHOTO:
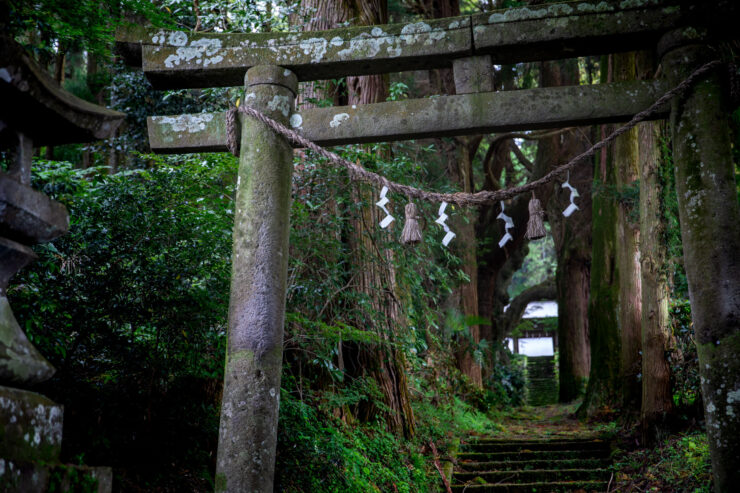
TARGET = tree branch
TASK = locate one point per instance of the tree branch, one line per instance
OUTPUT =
(544, 291)
(521, 157)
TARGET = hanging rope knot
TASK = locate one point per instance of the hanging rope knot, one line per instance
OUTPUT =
(411, 234)
(536, 225)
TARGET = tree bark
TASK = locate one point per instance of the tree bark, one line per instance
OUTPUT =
(626, 159)
(572, 238)
(604, 380)
(459, 156)
(657, 399)
(319, 15)
(460, 171)
(710, 232)
(370, 88)
(375, 264)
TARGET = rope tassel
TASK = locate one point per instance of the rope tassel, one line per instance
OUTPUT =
(411, 234)
(536, 224)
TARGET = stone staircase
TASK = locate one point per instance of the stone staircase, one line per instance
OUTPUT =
(541, 381)
(532, 465)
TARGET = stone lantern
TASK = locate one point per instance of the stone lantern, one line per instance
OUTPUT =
(35, 111)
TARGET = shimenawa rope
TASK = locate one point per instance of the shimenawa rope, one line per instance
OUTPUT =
(357, 172)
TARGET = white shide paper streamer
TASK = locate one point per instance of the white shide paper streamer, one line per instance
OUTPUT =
(573, 194)
(508, 224)
(441, 221)
(381, 203)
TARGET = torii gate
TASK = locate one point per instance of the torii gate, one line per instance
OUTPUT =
(275, 62)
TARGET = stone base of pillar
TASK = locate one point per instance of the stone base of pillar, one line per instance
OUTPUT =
(30, 426)
(31, 444)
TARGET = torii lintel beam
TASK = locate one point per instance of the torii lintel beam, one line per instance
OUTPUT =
(550, 107)
(176, 59)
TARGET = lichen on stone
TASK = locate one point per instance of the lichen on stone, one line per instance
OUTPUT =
(338, 119)
(315, 48)
(187, 123)
(296, 120)
(203, 51)
(281, 104)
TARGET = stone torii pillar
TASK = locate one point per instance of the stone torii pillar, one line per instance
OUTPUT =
(710, 231)
(254, 356)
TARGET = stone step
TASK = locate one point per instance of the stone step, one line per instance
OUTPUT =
(517, 465)
(550, 438)
(543, 364)
(534, 446)
(564, 486)
(533, 476)
(540, 360)
(533, 455)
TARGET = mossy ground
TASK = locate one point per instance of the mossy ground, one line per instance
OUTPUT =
(553, 421)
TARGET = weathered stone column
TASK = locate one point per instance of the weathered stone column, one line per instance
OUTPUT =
(710, 229)
(251, 397)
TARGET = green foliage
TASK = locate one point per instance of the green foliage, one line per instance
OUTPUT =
(232, 15)
(64, 479)
(398, 91)
(47, 26)
(505, 385)
(130, 307)
(319, 453)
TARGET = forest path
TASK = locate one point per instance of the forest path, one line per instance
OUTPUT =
(543, 449)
